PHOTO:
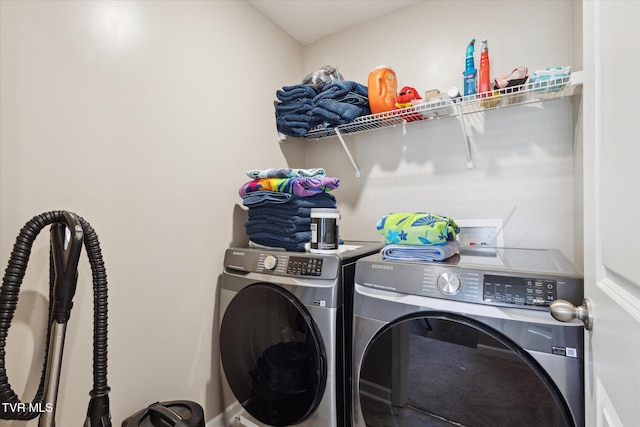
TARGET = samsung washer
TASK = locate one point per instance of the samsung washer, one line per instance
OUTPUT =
(285, 336)
(467, 342)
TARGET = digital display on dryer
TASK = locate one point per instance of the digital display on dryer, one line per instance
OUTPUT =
(519, 290)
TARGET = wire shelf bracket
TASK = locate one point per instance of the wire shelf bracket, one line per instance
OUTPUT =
(346, 150)
(465, 137)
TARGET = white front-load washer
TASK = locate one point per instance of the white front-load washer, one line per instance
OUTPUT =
(467, 342)
(285, 336)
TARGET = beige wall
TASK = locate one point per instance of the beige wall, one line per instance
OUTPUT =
(142, 117)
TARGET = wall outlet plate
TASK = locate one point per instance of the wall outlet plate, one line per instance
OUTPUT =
(481, 232)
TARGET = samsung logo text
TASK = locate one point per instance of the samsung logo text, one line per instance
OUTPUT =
(382, 266)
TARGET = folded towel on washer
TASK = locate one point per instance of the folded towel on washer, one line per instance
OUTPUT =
(255, 226)
(285, 173)
(292, 247)
(282, 220)
(300, 236)
(259, 198)
(285, 212)
(298, 216)
(420, 253)
(279, 234)
(253, 244)
(301, 218)
(419, 228)
(274, 200)
(293, 242)
(300, 186)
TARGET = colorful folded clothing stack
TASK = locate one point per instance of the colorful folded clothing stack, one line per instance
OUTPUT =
(298, 186)
(418, 236)
(279, 203)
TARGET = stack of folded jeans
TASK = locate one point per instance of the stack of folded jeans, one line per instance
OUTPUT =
(282, 219)
(293, 111)
(299, 108)
(340, 103)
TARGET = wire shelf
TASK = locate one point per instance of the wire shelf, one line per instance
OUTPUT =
(440, 108)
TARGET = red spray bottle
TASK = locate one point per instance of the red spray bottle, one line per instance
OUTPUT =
(484, 78)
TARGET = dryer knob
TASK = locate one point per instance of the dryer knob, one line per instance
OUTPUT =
(449, 283)
(270, 262)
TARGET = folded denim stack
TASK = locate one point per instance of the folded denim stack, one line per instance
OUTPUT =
(300, 108)
(279, 216)
(340, 103)
(293, 111)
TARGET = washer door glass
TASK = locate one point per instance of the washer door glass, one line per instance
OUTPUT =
(272, 355)
(448, 370)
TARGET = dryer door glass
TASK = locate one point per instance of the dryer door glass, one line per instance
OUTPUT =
(446, 370)
(272, 355)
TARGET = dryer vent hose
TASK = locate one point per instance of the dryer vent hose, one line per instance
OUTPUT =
(14, 274)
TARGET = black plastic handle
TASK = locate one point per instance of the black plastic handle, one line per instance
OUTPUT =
(168, 415)
(177, 413)
(65, 256)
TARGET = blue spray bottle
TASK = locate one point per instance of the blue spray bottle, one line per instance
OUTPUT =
(470, 71)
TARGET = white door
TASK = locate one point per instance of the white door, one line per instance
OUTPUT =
(611, 138)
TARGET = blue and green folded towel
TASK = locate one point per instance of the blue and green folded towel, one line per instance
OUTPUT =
(417, 228)
(413, 253)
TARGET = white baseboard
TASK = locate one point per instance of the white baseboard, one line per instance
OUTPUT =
(229, 413)
(216, 422)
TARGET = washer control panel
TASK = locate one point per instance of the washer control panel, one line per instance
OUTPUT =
(309, 266)
(287, 265)
(304, 266)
